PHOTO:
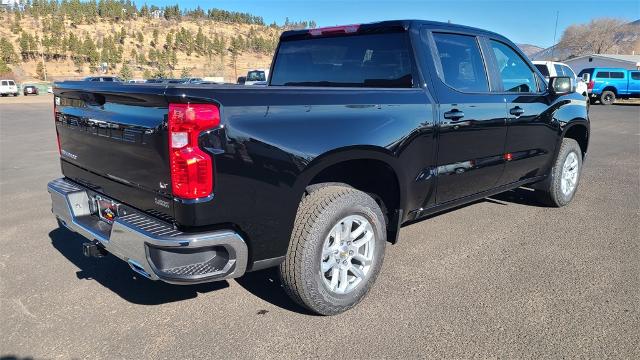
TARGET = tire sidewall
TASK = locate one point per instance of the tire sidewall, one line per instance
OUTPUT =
(604, 96)
(569, 146)
(357, 205)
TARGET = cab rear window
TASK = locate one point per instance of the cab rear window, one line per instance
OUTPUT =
(372, 60)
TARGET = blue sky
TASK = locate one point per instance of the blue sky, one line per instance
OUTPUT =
(522, 21)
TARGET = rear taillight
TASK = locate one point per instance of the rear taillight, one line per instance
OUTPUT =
(191, 168)
(56, 102)
(590, 85)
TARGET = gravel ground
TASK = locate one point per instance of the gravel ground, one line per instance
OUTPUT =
(503, 277)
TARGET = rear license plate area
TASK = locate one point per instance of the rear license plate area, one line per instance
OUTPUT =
(107, 209)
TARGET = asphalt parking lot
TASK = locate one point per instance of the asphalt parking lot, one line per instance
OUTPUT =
(503, 277)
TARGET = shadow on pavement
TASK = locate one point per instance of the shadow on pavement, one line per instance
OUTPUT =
(116, 275)
(522, 196)
(266, 285)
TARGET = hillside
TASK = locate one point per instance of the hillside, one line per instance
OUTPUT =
(529, 49)
(144, 44)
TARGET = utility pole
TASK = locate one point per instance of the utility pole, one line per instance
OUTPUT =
(555, 32)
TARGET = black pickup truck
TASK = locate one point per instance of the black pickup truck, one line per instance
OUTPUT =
(361, 129)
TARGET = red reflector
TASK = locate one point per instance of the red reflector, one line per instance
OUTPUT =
(508, 156)
(191, 168)
(344, 29)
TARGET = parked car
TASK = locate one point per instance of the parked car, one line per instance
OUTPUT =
(256, 76)
(8, 87)
(103, 78)
(361, 129)
(30, 90)
(609, 84)
(553, 68)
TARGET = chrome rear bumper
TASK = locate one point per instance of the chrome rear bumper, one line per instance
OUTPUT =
(151, 247)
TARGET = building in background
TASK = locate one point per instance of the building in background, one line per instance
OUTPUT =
(629, 62)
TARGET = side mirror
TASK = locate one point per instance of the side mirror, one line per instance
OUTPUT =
(561, 85)
(586, 77)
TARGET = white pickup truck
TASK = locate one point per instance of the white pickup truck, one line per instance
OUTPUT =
(8, 87)
(552, 68)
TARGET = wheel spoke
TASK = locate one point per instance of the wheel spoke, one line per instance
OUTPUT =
(343, 280)
(334, 278)
(362, 259)
(365, 239)
(328, 265)
(356, 271)
(347, 224)
(358, 231)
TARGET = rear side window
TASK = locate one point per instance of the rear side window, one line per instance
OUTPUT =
(543, 69)
(461, 65)
(602, 75)
(616, 75)
(376, 60)
(635, 75)
(5, 83)
(514, 72)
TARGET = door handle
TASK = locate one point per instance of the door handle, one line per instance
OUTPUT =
(516, 111)
(454, 114)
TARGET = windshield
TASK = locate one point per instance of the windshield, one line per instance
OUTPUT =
(376, 60)
(256, 75)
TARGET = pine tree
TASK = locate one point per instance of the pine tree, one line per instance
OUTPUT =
(125, 72)
(186, 73)
(41, 71)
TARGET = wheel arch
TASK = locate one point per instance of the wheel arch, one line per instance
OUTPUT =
(354, 166)
(610, 88)
(579, 131)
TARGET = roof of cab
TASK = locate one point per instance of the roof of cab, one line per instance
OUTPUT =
(393, 25)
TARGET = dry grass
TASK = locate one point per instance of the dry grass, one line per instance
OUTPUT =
(200, 65)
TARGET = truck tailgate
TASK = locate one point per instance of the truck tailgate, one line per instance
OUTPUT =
(116, 133)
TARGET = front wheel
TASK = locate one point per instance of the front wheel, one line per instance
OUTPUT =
(562, 184)
(336, 249)
(607, 97)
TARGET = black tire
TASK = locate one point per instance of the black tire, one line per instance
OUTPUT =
(593, 101)
(318, 213)
(608, 97)
(551, 192)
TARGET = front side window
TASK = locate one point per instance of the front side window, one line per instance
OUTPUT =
(617, 75)
(543, 69)
(11, 83)
(371, 60)
(461, 63)
(635, 75)
(514, 72)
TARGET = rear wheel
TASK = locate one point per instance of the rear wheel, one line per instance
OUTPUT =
(608, 97)
(336, 249)
(562, 184)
